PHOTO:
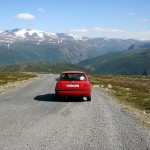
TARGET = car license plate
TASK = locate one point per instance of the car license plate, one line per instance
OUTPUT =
(72, 85)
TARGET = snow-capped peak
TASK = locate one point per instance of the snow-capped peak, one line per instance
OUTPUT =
(37, 36)
(23, 32)
(78, 38)
(20, 33)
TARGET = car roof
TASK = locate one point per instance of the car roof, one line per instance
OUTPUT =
(73, 72)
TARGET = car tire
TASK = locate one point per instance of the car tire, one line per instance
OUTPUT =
(89, 98)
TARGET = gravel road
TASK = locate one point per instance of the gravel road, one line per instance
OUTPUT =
(30, 119)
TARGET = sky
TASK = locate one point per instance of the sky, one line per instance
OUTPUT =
(93, 18)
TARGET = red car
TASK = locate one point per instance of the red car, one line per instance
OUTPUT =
(73, 83)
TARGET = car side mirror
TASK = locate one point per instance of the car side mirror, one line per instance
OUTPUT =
(57, 79)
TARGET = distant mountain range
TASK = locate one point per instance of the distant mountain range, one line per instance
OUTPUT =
(26, 48)
(25, 45)
(136, 62)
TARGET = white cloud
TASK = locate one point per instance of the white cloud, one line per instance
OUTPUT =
(112, 33)
(139, 34)
(144, 20)
(146, 32)
(25, 16)
(97, 29)
(131, 14)
(79, 30)
(40, 10)
(111, 30)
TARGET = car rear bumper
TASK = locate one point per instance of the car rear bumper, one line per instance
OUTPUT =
(73, 93)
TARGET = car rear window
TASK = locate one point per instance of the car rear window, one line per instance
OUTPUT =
(73, 76)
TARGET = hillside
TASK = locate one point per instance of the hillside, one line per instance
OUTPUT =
(135, 62)
(44, 52)
(42, 67)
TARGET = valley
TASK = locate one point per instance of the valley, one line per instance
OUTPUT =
(135, 62)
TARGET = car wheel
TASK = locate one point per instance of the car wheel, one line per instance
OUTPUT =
(89, 98)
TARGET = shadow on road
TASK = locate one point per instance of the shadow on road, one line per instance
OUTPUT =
(51, 98)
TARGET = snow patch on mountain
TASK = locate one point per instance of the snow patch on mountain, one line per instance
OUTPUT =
(20, 33)
(27, 35)
(36, 35)
(78, 38)
(41, 34)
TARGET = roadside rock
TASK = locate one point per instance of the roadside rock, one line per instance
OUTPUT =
(96, 86)
(109, 86)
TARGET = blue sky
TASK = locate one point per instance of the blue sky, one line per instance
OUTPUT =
(93, 18)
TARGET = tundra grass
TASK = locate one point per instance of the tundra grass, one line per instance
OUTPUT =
(7, 77)
(133, 91)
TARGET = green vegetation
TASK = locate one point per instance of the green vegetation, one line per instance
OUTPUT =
(7, 77)
(133, 91)
(42, 67)
(28, 51)
(135, 62)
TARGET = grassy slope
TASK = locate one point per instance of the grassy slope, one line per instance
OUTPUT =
(7, 77)
(136, 62)
(129, 90)
(42, 67)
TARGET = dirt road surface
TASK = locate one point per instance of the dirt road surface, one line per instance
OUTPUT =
(31, 119)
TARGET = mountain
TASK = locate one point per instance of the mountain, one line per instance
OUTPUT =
(135, 62)
(46, 67)
(26, 45)
(104, 45)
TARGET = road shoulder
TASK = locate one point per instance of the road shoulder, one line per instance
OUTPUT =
(17, 84)
(141, 117)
